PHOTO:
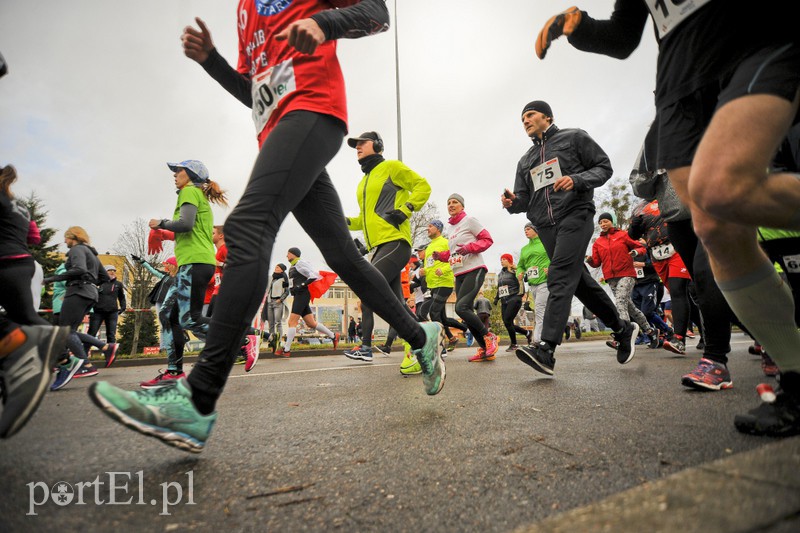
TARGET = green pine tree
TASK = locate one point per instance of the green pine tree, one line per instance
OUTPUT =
(148, 333)
(45, 253)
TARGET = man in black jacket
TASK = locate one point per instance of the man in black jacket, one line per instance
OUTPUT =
(110, 304)
(554, 186)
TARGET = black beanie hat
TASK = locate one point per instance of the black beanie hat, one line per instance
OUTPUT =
(538, 105)
(606, 216)
(294, 251)
(281, 266)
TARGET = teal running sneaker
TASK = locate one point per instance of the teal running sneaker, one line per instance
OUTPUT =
(430, 357)
(166, 413)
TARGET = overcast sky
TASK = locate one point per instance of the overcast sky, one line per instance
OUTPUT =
(99, 97)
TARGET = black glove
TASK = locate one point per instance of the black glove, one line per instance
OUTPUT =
(360, 246)
(395, 217)
(138, 259)
(527, 306)
(562, 24)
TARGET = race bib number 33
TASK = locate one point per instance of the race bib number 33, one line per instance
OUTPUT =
(545, 174)
(268, 89)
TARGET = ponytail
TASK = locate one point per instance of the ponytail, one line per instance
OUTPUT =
(214, 193)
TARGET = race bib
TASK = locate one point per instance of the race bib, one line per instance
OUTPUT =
(269, 88)
(532, 272)
(429, 261)
(662, 252)
(667, 14)
(545, 174)
(456, 260)
(639, 272)
(428, 294)
(502, 291)
(792, 263)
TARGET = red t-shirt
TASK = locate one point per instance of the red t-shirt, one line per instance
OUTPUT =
(283, 79)
(216, 279)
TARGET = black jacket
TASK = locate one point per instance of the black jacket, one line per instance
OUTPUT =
(579, 157)
(111, 292)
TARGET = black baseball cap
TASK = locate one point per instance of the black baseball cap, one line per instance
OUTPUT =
(366, 136)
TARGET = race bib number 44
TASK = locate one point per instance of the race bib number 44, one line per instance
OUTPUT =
(268, 89)
(545, 174)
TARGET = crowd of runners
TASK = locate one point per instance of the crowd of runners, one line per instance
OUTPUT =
(713, 224)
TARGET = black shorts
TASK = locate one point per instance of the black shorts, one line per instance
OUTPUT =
(676, 132)
(300, 304)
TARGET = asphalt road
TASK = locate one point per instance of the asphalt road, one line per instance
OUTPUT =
(324, 443)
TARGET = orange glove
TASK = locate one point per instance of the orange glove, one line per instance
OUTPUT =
(562, 24)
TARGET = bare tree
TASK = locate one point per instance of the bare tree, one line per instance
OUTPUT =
(618, 198)
(419, 223)
(133, 242)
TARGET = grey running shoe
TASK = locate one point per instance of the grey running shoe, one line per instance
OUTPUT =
(675, 345)
(540, 357)
(25, 373)
(359, 353)
(430, 357)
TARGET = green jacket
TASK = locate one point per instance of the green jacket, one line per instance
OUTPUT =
(434, 281)
(533, 259)
(388, 186)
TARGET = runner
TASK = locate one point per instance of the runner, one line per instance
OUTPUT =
(193, 225)
(387, 195)
(291, 46)
(554, 185)
(532, 270)
(614, 251)
(467, 238)
(29, 345)
(301, 276)
(277, 293)
(711, 85)
(510, 296)
(439, 279)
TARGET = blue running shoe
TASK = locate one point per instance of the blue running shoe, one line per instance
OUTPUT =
(166, 413)
(66, 372)
(359, 353)
(430, 357)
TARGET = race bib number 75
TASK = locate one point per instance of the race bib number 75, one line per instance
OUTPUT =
(268, 88)
(545, 174)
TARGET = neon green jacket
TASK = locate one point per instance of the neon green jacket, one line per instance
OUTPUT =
(434, 281)
(388, 186)
(533, 259)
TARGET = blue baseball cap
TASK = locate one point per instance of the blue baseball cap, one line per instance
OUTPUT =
(196, 170)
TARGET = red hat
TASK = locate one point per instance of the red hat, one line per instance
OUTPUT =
(507, 257)
(171, 261)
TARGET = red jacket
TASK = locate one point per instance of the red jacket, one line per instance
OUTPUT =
(611, 250)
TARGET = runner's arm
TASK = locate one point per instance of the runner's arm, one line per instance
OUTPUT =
(231, 80)
(616, 37)
(185, 223)
(360, 20)
(594, 160)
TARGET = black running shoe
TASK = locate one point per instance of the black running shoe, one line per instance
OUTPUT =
(625, 342)
(540, 357)
(780, 418)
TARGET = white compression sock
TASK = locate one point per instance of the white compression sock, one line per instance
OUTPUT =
(322, 329)
(764, 304)
(287, 346)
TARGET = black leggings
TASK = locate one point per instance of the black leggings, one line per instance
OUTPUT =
(510, 308)
(681, 306)
(73, 310)
(467, 287)
(16, 296)
(289, 176)
(390, 258)
(438, 306)
(714, 309)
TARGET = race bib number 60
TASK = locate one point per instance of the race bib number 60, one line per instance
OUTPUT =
(269, 88)
(545, 174)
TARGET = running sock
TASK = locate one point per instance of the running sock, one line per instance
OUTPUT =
(287, 346)
(12, 341)
(764, 304)
(322, 329)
